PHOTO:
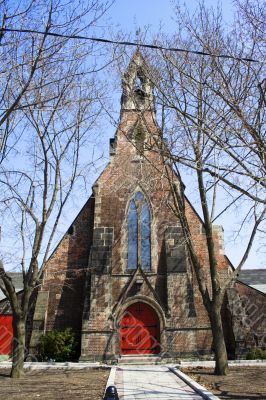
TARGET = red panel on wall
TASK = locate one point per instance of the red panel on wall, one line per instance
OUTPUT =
(139, 330)
(6, 334)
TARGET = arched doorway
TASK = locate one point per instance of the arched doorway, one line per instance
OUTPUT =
(139, 330)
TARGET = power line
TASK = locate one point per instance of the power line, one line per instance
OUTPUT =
(126, 43)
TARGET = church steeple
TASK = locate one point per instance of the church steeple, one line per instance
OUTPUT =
(137, 86)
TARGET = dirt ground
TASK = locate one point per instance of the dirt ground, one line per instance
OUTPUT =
(241, 383)
(51, 384)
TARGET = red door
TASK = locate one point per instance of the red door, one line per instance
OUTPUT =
(139, 330)
(6, 334)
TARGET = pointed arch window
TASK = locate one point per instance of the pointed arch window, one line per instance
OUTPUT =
(139, 233)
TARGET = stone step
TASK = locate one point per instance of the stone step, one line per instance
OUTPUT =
(140, 360)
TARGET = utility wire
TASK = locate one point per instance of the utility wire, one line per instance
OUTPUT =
(126, 43)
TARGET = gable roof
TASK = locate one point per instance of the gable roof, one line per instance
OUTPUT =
(255, 278)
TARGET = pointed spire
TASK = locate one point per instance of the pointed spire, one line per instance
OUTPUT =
(137, 86)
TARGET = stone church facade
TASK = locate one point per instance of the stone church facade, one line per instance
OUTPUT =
(121, 277)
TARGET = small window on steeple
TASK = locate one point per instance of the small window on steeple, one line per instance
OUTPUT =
(138, 87)
(139, 139)
(138, 83)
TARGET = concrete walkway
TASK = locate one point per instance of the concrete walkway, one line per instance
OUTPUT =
(151, 382)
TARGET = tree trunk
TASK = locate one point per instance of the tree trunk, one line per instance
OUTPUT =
(221, 360)
(18, 352)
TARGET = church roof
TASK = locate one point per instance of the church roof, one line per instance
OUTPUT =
(17, 279)
(254, 277)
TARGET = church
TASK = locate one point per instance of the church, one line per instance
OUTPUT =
(121, 276)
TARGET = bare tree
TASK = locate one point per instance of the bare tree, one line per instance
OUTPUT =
(25, 53)
(252, 15)
(213, 115)
(50, 103)
(213, 111)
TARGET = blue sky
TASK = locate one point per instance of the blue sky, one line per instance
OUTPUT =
(132, 14)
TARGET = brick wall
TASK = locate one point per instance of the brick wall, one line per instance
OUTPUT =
(61, 296)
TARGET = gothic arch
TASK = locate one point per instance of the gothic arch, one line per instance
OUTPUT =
(144, 299)
(139, 188)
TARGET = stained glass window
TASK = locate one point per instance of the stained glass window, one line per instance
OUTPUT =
(145, 237)
(139, 196)
(139, 233)
(132, 236)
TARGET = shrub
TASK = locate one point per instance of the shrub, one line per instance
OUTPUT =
(58, 345)
(256, 354)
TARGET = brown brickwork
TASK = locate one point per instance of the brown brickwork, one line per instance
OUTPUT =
(61, 297)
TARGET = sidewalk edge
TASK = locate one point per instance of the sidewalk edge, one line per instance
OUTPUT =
(194, 385)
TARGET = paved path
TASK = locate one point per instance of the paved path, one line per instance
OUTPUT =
(151, 382)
